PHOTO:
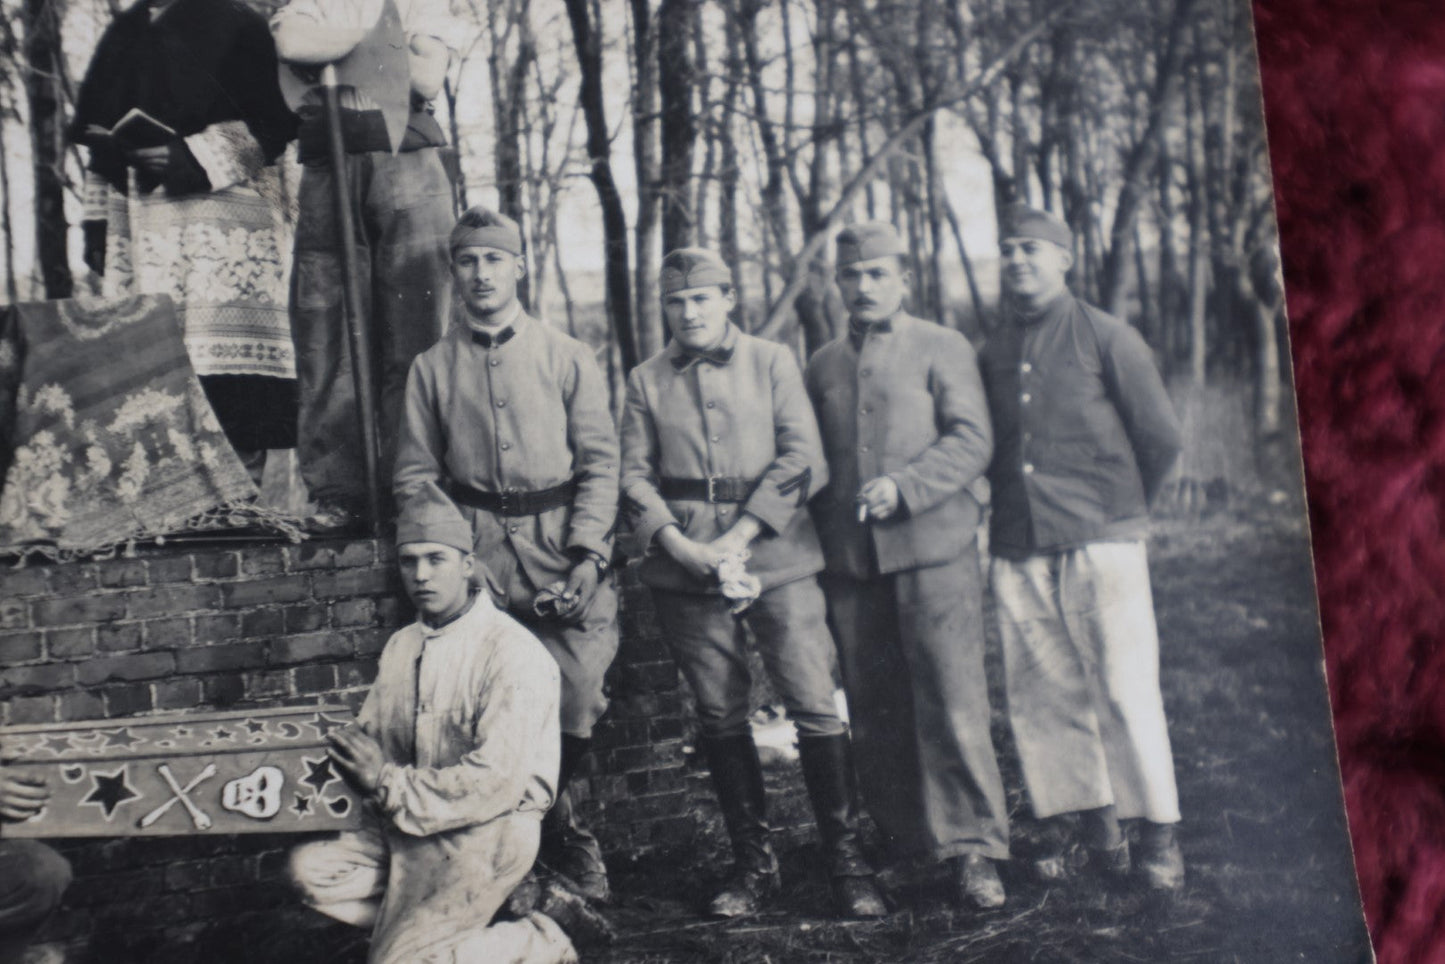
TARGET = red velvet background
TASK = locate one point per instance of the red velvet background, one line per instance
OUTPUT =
(1355, 101)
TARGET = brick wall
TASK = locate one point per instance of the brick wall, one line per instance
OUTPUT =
(270, 625)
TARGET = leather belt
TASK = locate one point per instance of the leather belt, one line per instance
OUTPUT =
(711, 489)
(514, 503)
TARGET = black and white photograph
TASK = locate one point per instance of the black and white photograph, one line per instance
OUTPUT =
(653, 482)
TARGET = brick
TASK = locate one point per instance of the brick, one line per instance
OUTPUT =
(81, 705)
(357, 673)
(30, 709)
(69, 610)
(187, 875)
(171, 633)
(168, 569)
(73, 577)
(69, 643)
(305, 619)
(19, 647)
(309, 647)
(314, 679)
(118, 637)
(14, 614)
(216, 565)
(91, 889)
(212, 629)
(263, 561)
(350, 555)
(269, 684)
(394, 611)
(372, 641)
(30, 581)
(36, 678)
(272, 589)
(177, 694)
(228, 657)
(222, 691)
(173, 600)
(630, 759)
(263, 622)
(353, 612)
(133, 666)
(127, 700)
(355, 582)
(122, 573)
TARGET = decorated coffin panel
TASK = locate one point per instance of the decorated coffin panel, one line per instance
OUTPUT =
(259, 772)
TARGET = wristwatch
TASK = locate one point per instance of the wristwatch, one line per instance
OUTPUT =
(600, 561)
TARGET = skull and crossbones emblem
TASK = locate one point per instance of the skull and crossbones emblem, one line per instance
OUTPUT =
(256, 795)
(181, 794)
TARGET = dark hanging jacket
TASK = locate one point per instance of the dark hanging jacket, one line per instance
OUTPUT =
(202, 62)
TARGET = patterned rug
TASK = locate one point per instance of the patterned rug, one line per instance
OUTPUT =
(105, 435)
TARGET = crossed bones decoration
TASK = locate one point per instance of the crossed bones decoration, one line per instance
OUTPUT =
(181, 795)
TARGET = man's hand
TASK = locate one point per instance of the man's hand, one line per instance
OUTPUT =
(581, 587)
(738, 538)
(699, 559)
(153, 159)
(881, 497)
(358, 755)
(22, 797)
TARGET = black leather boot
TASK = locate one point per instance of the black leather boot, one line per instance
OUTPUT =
(568, 847)
(828, 773)
(737, 778)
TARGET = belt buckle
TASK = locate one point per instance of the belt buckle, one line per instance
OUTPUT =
(712, 481)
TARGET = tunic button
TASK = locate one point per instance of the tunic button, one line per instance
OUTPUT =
(712, 404)
(1026, 368)
(502, 402)
(717, 438)
(1028, 468)
(506, 445)
(865, 372)
(864, 410)
(511, 528)
(1028, 436)
(1026, 398)
(495, 362)
(863, 448)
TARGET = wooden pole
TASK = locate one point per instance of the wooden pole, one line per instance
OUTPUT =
(356, 325)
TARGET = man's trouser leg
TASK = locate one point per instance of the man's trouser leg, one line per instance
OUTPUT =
(1081, 658)
(583, 648)
(401, 206)
(924, 629)
(33, 878)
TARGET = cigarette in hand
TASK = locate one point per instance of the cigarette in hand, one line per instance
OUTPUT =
(862, 511)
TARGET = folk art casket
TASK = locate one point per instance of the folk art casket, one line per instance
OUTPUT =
(262, 771)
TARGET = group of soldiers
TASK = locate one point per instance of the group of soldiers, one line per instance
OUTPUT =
(831, 513)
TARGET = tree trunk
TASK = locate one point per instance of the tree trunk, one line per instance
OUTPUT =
(508, 90)
(729, 242)
(43, 94)
(679, 128)
(644, 155)
(1198, 240)
(587, 38)
(12, 292)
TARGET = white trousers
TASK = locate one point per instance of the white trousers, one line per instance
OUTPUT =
(430, 900)
(1081, 662)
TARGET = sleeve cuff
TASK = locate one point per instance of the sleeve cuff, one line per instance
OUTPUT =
(772, 509)
(227, 153)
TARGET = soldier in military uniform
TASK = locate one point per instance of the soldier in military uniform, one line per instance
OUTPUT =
(720, 456)
(1086, 437)
(907, 436)
(510, 417)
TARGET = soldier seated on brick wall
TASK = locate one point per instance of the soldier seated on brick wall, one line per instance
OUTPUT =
(458, 746)
(32, 876)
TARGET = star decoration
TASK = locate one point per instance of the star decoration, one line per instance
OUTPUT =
(55, 744)
(323, 724)
(180, 732)
(122, 737)
(220, 733)
(110, 791)
(302, 806)
(254, 726)
(319, 773)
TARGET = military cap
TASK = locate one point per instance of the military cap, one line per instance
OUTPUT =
(692, 268)
(1022, 221)
(484, 228)
(427, 515)
(868, 240)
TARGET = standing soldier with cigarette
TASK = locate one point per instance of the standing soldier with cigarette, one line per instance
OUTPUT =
(720, 455)
(510, 417)
(907, 434)
(1086, 437)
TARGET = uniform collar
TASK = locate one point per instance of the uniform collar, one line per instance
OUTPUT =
(1049, 312)
(858, 330)
(683, 359)
(494, 336)
(475, 608)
